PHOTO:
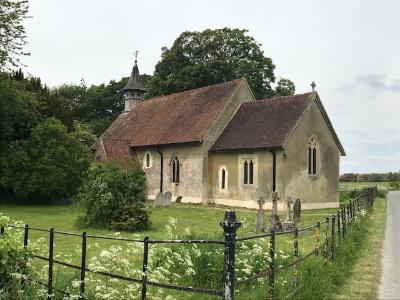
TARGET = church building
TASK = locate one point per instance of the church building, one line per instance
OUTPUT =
(218, 144)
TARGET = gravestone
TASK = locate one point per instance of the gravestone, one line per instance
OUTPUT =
(178, 199)
(167, 199)
(260, 215)
(296, 211)
(159, 200)
(274, 222)
(288, 224)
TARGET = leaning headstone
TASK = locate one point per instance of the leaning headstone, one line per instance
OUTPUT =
(274, 222)
(260, 215)
(159, 200)
(178, 199)
(296, 211)
(167, 199)
(288, 224)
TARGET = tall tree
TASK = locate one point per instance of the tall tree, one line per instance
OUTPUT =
(285, 87)
(49, 164)
(12, 32)
(204, 58)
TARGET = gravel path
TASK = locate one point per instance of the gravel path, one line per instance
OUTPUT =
(390, 281)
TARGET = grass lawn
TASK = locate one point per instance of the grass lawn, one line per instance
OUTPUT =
(364, 277)
(349, 186)
(204, 223)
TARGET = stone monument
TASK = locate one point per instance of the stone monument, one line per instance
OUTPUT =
(158, 202)
(167, 199)
(288, 224)
(260, 215)
(274, 222)
(296, 211)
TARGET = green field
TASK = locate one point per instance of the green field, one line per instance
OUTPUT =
(349, 186)
(203, 223)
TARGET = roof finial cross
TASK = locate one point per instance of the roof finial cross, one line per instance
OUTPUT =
(313, 85)
(136, 54)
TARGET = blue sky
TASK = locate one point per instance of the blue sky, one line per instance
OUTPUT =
(351, 49)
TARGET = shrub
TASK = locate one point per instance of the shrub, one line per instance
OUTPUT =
(14, 262)
(48, 165)
(114, 198)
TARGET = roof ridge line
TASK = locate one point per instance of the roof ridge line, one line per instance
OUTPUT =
(275, 98)
(196, 89)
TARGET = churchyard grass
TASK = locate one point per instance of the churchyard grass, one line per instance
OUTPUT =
(203, 223)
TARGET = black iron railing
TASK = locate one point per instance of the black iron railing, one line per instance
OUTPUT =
(332, 239)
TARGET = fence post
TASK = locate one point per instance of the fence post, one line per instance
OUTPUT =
(296, 261)
(326, 237)
(83, 267)
(344, 222)
(230, 225)
(271, 266)
(333, 237)
(348, 215)
(338, 224)
(144, 269)
(50, 272)
(317, 238)
(26, 235)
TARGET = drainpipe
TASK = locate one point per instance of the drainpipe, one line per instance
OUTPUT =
(161, 169)
(273, 170)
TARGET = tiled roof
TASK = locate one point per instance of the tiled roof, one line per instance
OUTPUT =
(264, 124)
(176, 118)
(116, 150)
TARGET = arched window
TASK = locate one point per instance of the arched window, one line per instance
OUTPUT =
(223, 179)
(314, 160)
(312, 157)
(175, 170)
(248, 172)
(147, 160)
(245, 172)
(251, 171)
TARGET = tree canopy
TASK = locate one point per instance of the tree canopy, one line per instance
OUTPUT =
(49, 164)
(12, 32)
(198, 59)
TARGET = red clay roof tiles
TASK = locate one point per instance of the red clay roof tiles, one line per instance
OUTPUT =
(177, 118)
(263, 124)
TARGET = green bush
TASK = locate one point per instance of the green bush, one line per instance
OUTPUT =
(114, 198)
(48, 165)
(14, 263)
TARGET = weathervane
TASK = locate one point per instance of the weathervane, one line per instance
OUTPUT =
(136, 54)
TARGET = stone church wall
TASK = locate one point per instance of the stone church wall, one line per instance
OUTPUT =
(191, 162)
(315, 191)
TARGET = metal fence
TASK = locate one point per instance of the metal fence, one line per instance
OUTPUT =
(335, 229)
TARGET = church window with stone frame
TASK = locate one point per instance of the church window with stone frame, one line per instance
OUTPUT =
(248, 172)
(147, 160)
(223, 179)
(312, 157)
(175, 169)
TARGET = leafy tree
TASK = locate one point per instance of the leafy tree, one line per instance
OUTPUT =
(285, 87)
(48, 165)
(19, 110)
(198, 59)
(114, 198)
(12, 32)
(84, 133)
